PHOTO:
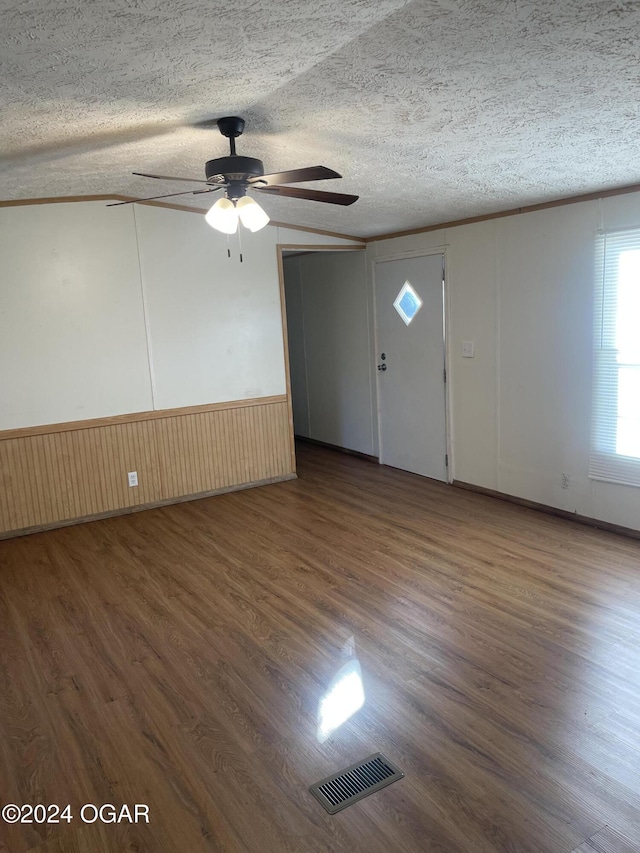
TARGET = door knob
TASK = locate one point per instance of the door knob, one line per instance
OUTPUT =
(382, 367)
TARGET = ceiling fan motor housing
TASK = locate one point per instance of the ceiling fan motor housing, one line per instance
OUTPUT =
(234, 168)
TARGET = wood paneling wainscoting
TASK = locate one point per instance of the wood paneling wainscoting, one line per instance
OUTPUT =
(52, 475)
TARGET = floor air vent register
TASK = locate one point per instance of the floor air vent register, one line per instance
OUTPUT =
(365, 777)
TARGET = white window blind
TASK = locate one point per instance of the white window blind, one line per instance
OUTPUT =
(615, 432)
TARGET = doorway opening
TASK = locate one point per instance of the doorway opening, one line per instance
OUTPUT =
(330, 346)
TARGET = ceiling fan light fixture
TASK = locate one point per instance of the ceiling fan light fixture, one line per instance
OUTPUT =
(251, 214)
(223, 216)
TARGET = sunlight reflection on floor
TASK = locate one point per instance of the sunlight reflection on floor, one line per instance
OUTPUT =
(343, 697)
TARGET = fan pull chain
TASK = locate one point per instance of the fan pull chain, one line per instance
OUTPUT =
(239, 245)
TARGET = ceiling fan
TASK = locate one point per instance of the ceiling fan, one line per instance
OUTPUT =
(237, 174)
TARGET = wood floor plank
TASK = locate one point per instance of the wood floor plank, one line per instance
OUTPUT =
(608, 840)
(180, 657)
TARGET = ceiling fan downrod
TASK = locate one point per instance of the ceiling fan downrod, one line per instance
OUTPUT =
(231, 127)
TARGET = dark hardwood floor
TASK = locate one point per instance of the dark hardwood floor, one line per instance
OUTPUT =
(177, 658)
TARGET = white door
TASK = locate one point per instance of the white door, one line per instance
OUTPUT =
(409, 301)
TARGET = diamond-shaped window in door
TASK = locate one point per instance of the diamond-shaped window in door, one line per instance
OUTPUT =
(407, 303)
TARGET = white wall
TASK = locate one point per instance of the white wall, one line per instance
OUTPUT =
(330, 348)
(73, 340)
(109, 311)
(71, 315)
(521, 287)
(215, 323)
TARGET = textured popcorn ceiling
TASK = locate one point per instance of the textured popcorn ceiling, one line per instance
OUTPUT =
(432, 110)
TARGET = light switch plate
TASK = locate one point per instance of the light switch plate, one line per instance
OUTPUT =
(468, 349)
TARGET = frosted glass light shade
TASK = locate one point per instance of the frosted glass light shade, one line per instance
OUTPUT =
(223, 216)
(251, 214)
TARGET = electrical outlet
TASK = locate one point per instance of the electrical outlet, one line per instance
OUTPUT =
(565, 481)
(468, 349)
(133, 478)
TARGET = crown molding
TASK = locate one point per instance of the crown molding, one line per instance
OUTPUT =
(20, 202)
(531, 208)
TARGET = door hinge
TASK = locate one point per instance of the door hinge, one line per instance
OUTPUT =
(444, 375)
(443, 275)
(446, 460)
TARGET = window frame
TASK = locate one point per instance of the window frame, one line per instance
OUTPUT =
(605, 463)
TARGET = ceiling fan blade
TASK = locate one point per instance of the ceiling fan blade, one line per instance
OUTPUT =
(170, 195)
(169, 178)
(310, 195)
(296, 176)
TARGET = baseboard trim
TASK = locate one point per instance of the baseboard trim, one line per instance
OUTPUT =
(129, 510)
(550, 510)
(346, 450)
